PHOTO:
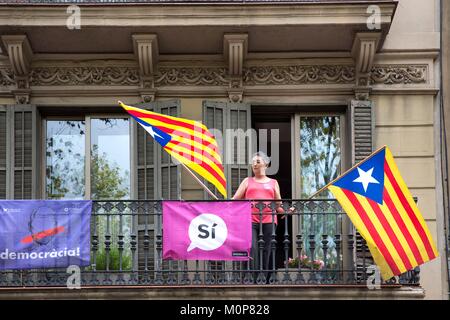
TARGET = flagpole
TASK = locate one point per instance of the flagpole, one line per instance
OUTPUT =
(359, 163)
(199, 181)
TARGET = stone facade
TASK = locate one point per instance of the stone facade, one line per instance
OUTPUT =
(388, 77)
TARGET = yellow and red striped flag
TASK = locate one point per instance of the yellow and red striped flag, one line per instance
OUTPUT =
(188, 141)
(381, 207)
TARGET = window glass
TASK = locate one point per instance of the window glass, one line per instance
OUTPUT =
(320, 153)
(65, 160)
(320, 163)
(110, 159)
(110, 180)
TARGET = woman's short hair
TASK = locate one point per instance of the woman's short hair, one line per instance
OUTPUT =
(263, 156)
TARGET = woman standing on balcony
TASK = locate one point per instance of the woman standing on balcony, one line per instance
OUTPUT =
(261, 187)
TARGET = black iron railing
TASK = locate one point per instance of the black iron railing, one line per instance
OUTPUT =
(314, 245)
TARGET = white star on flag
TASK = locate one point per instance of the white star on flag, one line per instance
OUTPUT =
(365, 177)
(152, 133)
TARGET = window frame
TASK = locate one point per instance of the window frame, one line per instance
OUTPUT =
(87, 169)
(295, 134)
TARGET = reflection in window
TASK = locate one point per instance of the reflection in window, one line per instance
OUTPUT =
(110, 180)
(320, 153)
(110, 159)
(65, 156)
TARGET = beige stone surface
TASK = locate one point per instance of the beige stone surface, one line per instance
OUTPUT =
(415, 26)
(432, 273)
(406, 141)
(417, 172)
(426, 201)
(6, 101)
(403, 109)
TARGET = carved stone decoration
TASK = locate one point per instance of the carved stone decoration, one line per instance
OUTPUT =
(391, 74)
(63, 76)
(235, 52)
(363, 52)
(147, 55)
(19, 53)
(20, 56)
(191, 76)
(295, 75)
(235, 48)
(6, 77)
(22, 98)
(235, 95)
(148, 95)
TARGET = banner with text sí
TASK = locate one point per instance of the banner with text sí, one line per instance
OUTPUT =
(207, 230)
(44, 234)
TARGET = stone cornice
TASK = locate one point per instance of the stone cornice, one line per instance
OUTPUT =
(181, 15)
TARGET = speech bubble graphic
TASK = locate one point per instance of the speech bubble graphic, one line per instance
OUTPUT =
(207, 232)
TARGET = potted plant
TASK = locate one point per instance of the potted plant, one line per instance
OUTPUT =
(307, 266)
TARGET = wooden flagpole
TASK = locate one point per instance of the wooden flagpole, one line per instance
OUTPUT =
(359, 163)
(199, 181)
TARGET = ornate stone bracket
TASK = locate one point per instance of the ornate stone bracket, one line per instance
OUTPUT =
(147, 55)
(235, 47)
(363, 52)
(20, 56)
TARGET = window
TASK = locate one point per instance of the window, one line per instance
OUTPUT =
(110, 158)
(65, 159)
(90, 158)
(69, 175)
(320, 150)
(320, 153)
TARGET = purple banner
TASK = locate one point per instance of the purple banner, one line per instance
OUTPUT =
(44, 234)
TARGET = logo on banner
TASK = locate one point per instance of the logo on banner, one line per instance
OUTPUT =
(207, 232)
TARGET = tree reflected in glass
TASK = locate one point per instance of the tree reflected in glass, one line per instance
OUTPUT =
(320, 161)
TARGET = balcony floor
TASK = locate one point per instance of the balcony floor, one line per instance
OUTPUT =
(300, 292)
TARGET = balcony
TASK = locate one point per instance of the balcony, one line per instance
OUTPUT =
(126, 253)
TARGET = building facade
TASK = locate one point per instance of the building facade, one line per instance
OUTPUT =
(330, 81)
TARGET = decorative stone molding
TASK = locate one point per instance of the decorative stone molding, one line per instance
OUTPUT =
(298, 74)
(19, 53)
(399, 74)
(20, 56)
(254, 77)
(191, 76)
(363, 52)
(235, 48)
(57, 76)
(6, 77)
(147, 55)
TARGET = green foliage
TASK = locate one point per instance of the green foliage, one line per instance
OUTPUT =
(107, 183)
(114, 261)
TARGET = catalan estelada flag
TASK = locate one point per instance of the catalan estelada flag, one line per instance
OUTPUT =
(186, 140)
(379, 204)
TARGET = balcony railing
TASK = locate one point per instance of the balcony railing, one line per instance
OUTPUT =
(126, 249)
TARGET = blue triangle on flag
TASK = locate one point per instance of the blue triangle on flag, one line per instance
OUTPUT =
(366, 179)
(160, 136)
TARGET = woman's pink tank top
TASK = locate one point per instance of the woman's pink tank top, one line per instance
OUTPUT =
(259, 190)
